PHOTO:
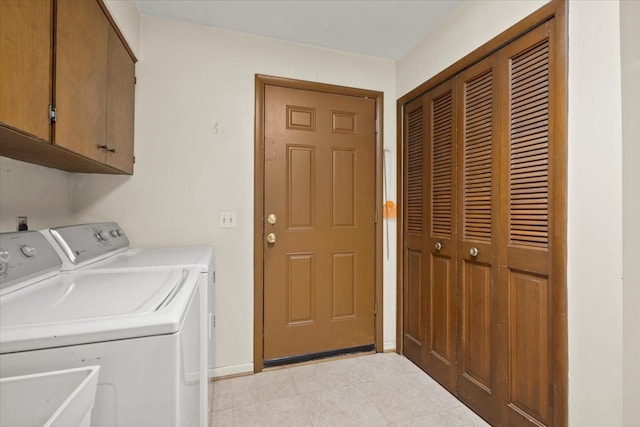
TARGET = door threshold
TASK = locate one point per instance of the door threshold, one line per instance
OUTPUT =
(321, 356)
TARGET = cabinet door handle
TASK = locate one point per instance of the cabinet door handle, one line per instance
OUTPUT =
(111, 150)
(103, 147)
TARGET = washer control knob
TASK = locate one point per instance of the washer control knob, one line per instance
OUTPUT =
(119, 231)
(102, 236)
(4, 256)
(114, 233)
(28, 251)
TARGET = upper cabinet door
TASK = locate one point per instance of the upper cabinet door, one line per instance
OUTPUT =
(120, 105)
(25, 67)
(82, 35)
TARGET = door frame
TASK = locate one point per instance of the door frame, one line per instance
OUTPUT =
(559, 10)
(261, 81)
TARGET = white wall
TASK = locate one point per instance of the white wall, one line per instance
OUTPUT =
(194, 156)
(595, 224)
(41, 194)
(630, 58)
(127, 16)
(469, 26)
(595, 215)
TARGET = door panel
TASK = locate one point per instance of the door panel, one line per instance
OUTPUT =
(414, 269)
(440, 350)
(526, 174)
(120, 105)
(478, 178)
(82, 33)
(529, 343)
(25, 68)
(320, 184)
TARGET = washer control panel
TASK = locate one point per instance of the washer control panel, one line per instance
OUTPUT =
(25, 255)
(85, 242)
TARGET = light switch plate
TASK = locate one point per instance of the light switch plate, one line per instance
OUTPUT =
(228, 220)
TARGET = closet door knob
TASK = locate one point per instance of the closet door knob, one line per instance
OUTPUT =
(438, 246)
(473, 252)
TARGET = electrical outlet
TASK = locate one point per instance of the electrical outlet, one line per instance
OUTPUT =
(228, 220)
(21, 223)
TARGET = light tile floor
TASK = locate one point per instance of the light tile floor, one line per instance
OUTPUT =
(382, 389)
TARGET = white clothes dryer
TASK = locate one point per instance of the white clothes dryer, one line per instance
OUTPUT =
(142, 327)
(105, 247)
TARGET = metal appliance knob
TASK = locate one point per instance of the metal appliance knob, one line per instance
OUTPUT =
(438, 246)
(120, 232)
(474, 251)
(4, 256)
(28, 251)
(102, 236)
(114, 233)
(271, 238)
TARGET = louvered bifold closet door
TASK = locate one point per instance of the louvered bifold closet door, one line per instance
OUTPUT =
(527, 226)
(414, 230)
(478, 267)
(440, 349)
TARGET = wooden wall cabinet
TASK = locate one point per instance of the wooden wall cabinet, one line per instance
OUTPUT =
(67, 82)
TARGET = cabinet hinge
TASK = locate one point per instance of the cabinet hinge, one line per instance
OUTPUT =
(375, 307)
(135, 80)
(377, 126)
(134, 159)
(375, 216)
(52, 114)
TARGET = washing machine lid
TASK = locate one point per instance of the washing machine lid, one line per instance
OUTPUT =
(92, 307)
(200, 257)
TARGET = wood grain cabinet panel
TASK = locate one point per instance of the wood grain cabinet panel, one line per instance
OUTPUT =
(25, 66)
(82, 37)
(120, 105)
(82, 68)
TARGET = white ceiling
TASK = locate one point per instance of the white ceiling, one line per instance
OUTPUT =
(379, 28)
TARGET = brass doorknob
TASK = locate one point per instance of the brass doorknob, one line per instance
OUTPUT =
(474, 251)
(271, 219)
(271, 238)
(438, 246)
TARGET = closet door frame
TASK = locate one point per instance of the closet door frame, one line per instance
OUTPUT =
(557, 9)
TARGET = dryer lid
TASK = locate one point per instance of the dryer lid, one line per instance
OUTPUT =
(96, 307)
(86, 297)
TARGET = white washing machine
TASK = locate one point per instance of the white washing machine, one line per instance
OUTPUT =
(105, 247)
(144, 329)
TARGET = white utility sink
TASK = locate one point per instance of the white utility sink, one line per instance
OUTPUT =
(58, 398)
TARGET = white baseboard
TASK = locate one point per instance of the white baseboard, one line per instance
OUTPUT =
(223, 371)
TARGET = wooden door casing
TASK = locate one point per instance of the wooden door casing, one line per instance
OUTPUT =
(478, 183)
(414, 232)
(439, 354)
(320, 184)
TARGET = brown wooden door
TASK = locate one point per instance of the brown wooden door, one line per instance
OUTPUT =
(526, 178)
(478, 266)
(414, 260)
(82, 33)
(120, 105)
(25, 65)
(320, 185)
(439, 353)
